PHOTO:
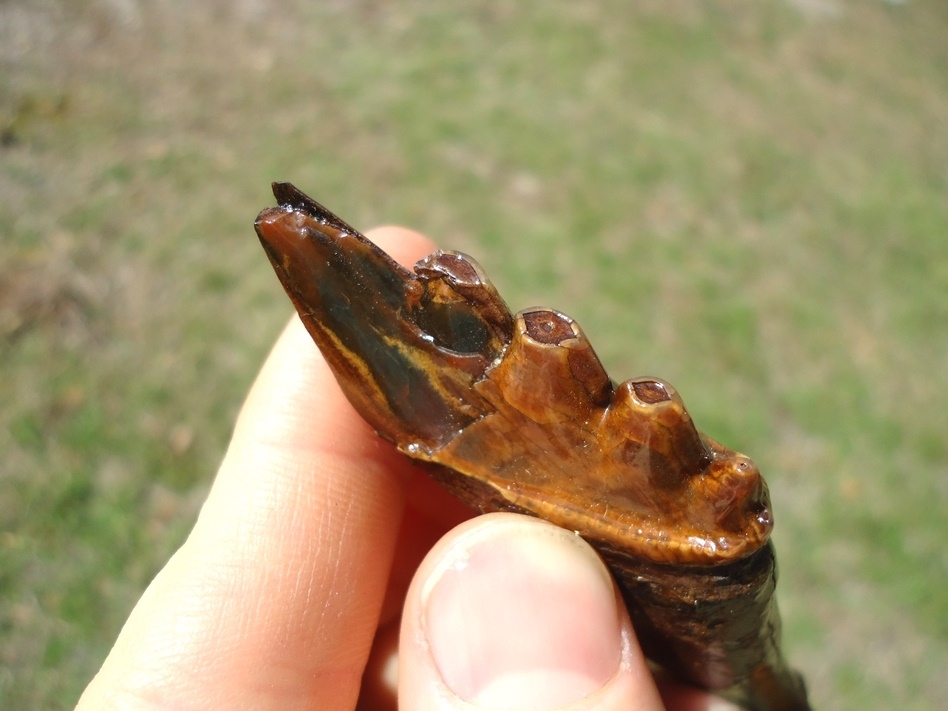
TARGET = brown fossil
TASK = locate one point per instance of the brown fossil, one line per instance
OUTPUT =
(516, 413)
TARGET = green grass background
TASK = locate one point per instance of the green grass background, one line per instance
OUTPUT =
(748, 199)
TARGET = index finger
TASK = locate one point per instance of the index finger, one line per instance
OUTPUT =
(273, 600)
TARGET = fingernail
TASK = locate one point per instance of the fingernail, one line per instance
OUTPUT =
(716, 704)
(521, 614)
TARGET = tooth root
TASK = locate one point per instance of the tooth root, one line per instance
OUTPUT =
(460, 307)
(550, 373)
(737, 489)
(647, 422)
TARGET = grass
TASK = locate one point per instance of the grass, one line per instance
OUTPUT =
(748, 200)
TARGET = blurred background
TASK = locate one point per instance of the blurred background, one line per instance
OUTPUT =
(748, 199)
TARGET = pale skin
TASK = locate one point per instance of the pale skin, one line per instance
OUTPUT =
(321, 555)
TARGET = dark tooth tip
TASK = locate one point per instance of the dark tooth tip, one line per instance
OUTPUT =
(651, 392)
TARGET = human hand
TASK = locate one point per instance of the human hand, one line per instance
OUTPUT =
(296, 575)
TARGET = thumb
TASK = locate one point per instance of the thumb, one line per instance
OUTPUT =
(509, 612)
